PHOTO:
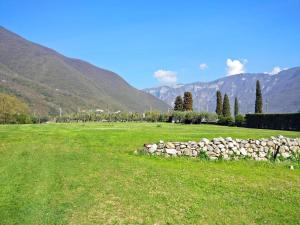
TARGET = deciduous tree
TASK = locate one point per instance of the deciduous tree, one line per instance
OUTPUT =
(10, 107)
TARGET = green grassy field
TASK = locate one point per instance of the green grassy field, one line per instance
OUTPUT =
(88, 174)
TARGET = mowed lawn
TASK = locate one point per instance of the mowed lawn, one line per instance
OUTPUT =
(88, 174)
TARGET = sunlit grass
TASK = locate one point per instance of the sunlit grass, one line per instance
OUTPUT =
(88, 174)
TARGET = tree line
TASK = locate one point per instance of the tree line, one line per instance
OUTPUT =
(184, 105)
(13, 110)
(222, 106)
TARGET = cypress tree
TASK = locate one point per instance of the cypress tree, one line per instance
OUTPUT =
(258, 100)
(236, 107)
(178, 105)
(219, 103)
(226, 106)
(188, 101)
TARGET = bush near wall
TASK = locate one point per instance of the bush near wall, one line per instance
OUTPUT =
(286, 121)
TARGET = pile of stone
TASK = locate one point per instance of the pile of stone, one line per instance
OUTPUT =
(229, 148)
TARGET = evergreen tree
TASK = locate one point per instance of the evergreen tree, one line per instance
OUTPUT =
(219, 103)
(226, 106)
(178, 105)
(236, 107)
(258, 100)
(188, 101)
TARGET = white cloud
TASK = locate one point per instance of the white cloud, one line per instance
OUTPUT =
(235, 66)
(203, 66)
(166, 77)
(276, 70)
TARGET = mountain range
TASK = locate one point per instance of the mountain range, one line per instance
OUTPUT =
(48, 81)
(281, 92)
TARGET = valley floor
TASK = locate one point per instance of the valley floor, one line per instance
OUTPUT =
(88, 174)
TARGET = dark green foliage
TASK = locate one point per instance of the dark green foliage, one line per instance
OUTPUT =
(188, 101)
(226, 107)
(287, 121)
(219, 104)
(227, 121)
(23, 119)
(236, 107)
(239, 120)
(177, 116)
(178, 105)
(192, 117)
(258, 100)
(203, 155)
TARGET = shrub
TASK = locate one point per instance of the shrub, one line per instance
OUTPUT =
(227, 121)
(203, 155)
(23, 119)
(296, 156)
(287, 121)
(12, 109)
(239, 120)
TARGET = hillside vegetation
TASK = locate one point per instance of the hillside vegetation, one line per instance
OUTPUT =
(47, 81)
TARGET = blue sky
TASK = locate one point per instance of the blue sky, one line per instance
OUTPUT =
(162, 42)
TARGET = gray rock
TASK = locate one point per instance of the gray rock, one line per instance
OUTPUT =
(230, 145)
(243, 151)
(187, 152)
(170, 145)
(262, 154)
(153, 148)
(210, 148)
(171, 151)
(285, 155)
(201, 144)
(195, 153)
(205, 140)
(221, 146)
(217, 150)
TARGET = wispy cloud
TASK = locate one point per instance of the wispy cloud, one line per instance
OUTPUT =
(166, 77)
(276, 70)
(235, 66)
(203, 66)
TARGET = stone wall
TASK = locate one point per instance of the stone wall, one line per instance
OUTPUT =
(229, 148)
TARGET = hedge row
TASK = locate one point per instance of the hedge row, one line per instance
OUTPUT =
(287, 121)
(21, 119)
(177, 117)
